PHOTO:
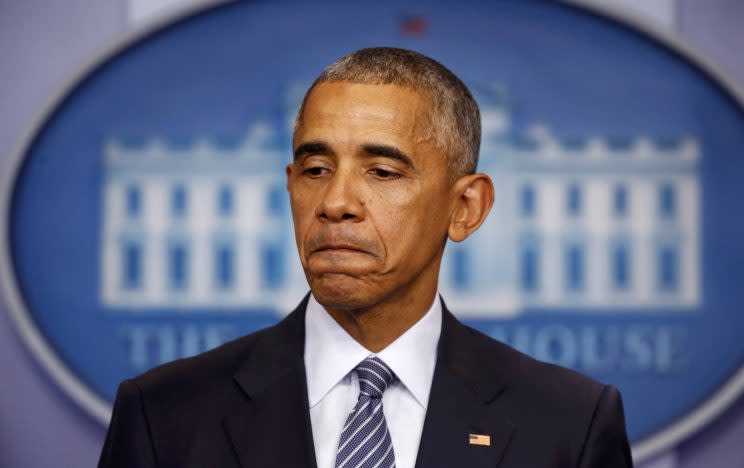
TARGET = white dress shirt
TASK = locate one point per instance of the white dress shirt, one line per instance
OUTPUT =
(331, 354)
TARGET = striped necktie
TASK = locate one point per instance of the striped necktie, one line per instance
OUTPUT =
(365, 441)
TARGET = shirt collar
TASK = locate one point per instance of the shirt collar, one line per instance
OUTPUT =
(331, 353)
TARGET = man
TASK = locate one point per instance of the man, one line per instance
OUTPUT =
(371, 369)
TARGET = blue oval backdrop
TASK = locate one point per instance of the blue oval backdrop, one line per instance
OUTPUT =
(149, 220)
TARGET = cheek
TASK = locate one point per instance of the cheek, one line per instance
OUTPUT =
(301, 198)
(411, 226)
(395, 211)
(302, 214)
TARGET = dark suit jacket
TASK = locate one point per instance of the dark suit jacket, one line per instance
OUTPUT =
(244, 404)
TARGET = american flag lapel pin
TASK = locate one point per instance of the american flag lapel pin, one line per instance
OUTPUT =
(479, 439)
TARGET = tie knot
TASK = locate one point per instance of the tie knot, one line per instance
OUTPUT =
(374, 377)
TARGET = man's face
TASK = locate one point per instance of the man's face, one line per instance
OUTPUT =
(369, 193)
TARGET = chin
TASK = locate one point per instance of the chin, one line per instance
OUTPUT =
(343, 292)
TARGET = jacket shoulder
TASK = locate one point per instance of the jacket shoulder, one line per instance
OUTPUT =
(547, 386)
(569, 415)
(205, 373)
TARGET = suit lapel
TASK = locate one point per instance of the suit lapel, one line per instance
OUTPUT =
(270, 426)
(464, 400)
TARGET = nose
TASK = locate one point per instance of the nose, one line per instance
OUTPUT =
(341, 201)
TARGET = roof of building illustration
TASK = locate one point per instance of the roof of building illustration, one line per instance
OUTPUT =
(257, 150)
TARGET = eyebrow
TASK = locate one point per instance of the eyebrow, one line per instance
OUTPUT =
(389, 152)
(311, 147)
(321, 147)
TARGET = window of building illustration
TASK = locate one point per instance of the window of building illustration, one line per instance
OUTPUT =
(133, 201)
(275, 201)
(620, 201)
(529, 267)
(179, 201)
(574, 267)
(131, 265)
(178, 267)
(460, 268)
(667, 201)
(273, 270)
(225, 201)
(573, 200)
(224, 265)
(620, 267)
(668, 268)
(527, 201)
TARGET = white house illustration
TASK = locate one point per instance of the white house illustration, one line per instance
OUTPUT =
(202, 226)
(593, 224)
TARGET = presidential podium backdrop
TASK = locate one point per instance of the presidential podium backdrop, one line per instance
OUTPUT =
(146, 217)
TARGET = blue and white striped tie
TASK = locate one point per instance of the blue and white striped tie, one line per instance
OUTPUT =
(365, 441)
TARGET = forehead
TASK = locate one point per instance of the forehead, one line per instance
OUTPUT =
(360, 107)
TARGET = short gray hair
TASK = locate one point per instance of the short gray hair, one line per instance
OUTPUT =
(454, 114)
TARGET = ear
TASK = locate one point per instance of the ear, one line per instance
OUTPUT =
(473, 199)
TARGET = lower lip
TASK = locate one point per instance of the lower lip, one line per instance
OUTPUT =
(339, 251)
(339, 261)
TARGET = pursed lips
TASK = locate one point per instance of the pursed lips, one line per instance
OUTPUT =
(340, 248)
(339, 243)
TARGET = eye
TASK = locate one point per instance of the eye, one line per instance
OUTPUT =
(383, 173)
(316, 171)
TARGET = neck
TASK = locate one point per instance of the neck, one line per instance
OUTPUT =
(378, 325)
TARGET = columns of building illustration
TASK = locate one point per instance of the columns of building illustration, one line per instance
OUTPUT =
(596, 223)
